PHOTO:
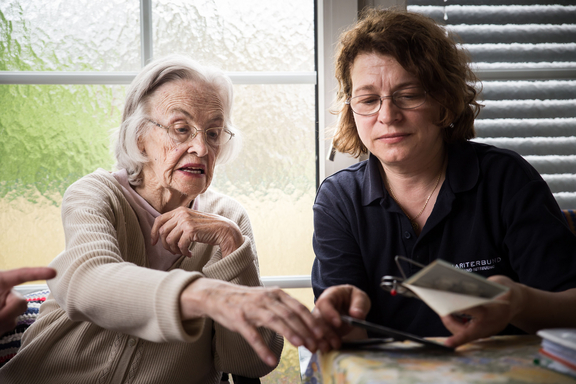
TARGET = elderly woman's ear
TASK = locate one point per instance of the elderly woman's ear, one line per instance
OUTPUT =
(140, 142)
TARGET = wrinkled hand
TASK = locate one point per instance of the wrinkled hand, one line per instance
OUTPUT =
(182, 226)
(12, 303)
(243, 309)
(485, 320)
(341, 300)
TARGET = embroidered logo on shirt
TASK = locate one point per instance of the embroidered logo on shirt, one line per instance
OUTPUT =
(478, 265)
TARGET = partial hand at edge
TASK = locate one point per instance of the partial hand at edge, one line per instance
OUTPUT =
(12, 304)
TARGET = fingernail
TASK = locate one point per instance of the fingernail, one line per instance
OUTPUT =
(311, 344)
(271, 361)
(335, 343)
(318, 332)
(296, 341)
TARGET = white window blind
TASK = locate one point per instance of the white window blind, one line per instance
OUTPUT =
(525, 55)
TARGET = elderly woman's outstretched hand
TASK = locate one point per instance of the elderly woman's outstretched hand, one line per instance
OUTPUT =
(244, 309)
(177, 229)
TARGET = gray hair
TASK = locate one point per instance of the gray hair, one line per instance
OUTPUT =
(134, 119)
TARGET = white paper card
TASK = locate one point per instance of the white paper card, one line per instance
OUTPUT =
(447, 290)
(443, 302)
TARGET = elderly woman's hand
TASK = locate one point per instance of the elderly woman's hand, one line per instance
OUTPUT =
(179, 228)
(485, 320)
(244, 309)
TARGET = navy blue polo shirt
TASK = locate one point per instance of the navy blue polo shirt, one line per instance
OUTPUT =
(494, 215)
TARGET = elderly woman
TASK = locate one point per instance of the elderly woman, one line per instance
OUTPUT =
(152, 285)
(406, 95)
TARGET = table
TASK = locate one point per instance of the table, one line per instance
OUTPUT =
(499, 359)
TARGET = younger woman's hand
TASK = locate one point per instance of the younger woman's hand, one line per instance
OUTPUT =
(485, 320)
(341, 300)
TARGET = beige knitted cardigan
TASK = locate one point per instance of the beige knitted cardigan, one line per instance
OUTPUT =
(110, 319)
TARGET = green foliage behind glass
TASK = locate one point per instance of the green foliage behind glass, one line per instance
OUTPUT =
(51, 135)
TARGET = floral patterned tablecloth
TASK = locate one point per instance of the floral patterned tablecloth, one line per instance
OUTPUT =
(500, 359)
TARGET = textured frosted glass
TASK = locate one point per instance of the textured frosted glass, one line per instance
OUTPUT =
(274, 176)
(238, 35)
(50, 136)
(70, 35)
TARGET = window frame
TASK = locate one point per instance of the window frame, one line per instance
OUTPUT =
(125, 78)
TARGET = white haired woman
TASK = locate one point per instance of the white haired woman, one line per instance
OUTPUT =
(153, 283)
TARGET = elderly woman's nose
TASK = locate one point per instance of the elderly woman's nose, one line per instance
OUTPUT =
(198, 145)
(388, 112)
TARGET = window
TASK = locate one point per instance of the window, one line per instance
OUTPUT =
(52, 134)
(525, 54)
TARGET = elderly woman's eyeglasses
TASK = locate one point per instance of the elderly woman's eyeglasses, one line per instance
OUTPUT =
(182, 132)
(407, 98)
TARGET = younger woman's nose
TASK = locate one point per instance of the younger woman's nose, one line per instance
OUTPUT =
(388, 112)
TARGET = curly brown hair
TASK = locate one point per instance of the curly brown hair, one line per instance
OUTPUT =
(422, 48)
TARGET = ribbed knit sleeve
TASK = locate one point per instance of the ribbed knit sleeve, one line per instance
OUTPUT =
(102, 276)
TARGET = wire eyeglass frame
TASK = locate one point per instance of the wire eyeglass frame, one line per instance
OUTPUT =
(224, 134)
(400, 99)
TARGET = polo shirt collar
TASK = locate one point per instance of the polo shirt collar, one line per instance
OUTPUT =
(463, 167)
(462, 173)
(373, 181)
